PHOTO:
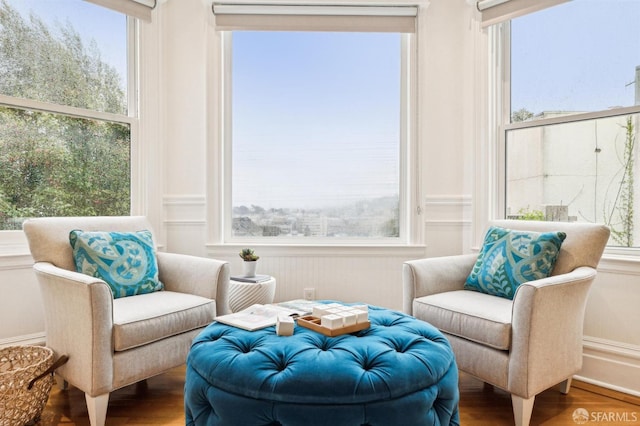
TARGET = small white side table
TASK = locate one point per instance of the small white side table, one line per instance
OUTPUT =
(242, 295)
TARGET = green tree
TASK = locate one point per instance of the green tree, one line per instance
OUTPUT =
(54, 65)
(53, 164)
(526, 214)
(522, 114)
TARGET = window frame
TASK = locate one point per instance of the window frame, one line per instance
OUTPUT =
(408, 183)
(14, 242)
(499, 37)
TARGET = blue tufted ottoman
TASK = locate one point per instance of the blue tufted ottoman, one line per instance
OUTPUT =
(400, 371)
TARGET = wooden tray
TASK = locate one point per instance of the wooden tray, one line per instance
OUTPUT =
(313, 323)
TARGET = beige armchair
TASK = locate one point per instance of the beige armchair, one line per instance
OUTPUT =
(525, 345)
(112, 343)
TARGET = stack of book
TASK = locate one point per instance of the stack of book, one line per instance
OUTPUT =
(255, 279)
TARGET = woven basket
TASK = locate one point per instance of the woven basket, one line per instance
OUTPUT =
(25, 383)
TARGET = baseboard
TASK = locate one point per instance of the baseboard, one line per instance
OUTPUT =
(604, 391)
(610, 365)
(27, 339)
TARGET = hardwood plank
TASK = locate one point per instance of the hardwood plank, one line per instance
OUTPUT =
(156, 401)
(484, 405)
(159, 401)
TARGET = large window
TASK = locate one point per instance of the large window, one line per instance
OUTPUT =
(570, 138)
(316, 135)
(65, 110)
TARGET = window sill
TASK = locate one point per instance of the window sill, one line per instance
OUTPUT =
(620, 263)
(318, 250)
(14, 258)
(14, 250)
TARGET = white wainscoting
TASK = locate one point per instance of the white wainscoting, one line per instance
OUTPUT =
(351, 274)
(612, 335)
(21, 316)
(612, 365)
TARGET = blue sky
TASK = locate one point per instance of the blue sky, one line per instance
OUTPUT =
(578, 56)
(323, 110)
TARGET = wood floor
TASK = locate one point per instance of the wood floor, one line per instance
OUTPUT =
(158, 401)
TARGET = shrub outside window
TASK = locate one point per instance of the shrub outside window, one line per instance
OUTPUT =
(65, 127)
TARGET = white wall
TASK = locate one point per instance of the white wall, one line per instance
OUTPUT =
(177, 126)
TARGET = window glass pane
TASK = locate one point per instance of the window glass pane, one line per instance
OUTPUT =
(580, 56)
(53, 165)
(67, 52)
(316, 134)
(583, 171)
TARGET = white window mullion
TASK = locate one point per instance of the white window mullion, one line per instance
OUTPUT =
(496, 11)
(226, 120)
(69, 111)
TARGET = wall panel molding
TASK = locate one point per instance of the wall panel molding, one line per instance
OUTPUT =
(15, 261)
(184, 209)
(448, 210)
(448, 224)
(628, 265)
(27, 339)
(190, 199)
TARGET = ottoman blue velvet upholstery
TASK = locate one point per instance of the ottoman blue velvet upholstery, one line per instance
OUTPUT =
(400, 371)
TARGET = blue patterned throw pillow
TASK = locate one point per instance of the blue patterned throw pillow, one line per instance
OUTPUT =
(126, 261)
(509, 258)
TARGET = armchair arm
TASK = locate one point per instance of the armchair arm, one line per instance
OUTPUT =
(78, 309)
(434, 275)
(547, 331)
(196, 275)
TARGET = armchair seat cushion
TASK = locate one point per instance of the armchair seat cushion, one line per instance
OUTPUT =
(145, 318)
(471, 315)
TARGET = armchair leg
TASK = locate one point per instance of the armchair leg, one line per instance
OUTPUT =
(522, 409)
(565, 386)
(97, 406)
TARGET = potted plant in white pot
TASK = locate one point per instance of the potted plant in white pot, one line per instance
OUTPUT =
(250, 262)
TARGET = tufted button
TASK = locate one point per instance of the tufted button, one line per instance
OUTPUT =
(325, 345)
(281, 366)
(245, 347)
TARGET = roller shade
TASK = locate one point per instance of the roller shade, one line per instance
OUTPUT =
(140, 9)
(400, 19)
(496, 11)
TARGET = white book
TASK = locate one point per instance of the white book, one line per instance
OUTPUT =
(254, 317)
